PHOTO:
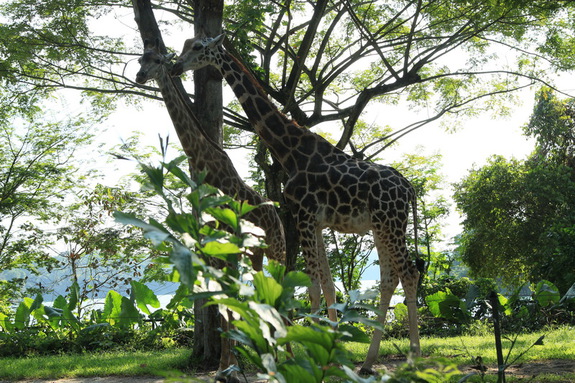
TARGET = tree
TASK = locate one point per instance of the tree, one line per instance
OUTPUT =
(100, 255)
(37, 173)
(208, 16)
(322, 62)
(425, 176)
(518, 222)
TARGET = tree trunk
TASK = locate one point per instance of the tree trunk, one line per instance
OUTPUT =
(209, 110)
(208, 80)
(207, 347)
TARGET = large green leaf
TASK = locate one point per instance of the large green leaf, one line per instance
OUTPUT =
(184, 260)
(320, 335)
(153, 230)
(546, 293)
(6, 323)
(129, 314)
(226, 216)
(74, 296)
(268, 290)
(295, 279)
(144, 296)
(215, 248)
(443, 304)
(180, 298)
(112, 307)
(22, 317)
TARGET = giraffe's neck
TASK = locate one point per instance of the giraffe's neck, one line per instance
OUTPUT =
(194, 140)
(293, 146)
(203, 153)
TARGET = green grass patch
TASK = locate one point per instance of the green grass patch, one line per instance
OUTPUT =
(94, 364)
(558, 343)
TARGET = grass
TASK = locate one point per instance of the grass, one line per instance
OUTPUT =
(558, 344)
(87, 365)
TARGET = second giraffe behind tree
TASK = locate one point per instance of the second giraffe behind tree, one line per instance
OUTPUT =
(325, 188)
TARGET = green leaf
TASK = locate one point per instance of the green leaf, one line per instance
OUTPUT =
(546, 293)
(352, 333)
(6, 323)
(153, 230)
(320, 335)
(184, 260)
(144, 296)
(446, 305)
(60, 302)
(112, 307)
(73, 296)
(268, 290)
(37, 302)
(226, 216)
(295, 279)
(400, 312)
(70, 319)
(569, 295)
(129, 314)
(22, 317)
(215, 248)
(181, 293)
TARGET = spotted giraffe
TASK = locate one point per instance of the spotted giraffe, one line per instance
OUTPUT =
(325, 188)
(205, 154)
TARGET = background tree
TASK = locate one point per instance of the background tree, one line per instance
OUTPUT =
(424, 173)
(37, 175)
(99, 254)
(519, 221)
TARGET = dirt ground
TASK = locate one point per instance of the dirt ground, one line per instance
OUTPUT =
(523, 370)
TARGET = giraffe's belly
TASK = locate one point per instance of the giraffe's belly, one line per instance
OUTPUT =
(355, 221)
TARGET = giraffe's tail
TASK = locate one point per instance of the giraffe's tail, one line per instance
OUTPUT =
(419, 262)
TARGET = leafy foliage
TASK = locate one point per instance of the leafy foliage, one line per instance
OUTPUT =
(122, 323)
(518, 223)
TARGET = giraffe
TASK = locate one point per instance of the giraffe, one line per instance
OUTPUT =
(325, 188)
(204, 154)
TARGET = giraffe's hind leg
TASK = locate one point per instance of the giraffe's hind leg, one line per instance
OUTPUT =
(394, 266)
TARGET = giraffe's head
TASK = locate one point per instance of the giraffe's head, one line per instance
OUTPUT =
(151, 62)
(198, 53)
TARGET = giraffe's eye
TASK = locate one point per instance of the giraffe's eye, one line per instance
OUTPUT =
(197, 47)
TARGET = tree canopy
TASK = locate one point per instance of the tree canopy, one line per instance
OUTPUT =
(519, 218)
(322, 61)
